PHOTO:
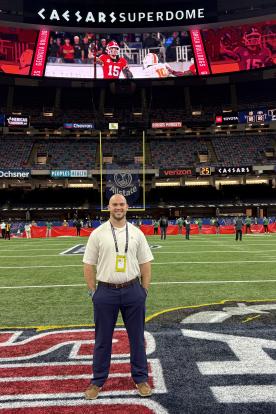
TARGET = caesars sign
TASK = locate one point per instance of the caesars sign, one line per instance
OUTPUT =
(117, 15)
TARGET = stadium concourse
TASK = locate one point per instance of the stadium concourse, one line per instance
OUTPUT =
(173, 107)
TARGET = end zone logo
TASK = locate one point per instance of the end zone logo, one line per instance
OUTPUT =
(52, 369)
(208, 359)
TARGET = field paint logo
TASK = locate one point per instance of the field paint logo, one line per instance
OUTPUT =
(80, 248)
(251, 356)
(228, 312)
(43, 368)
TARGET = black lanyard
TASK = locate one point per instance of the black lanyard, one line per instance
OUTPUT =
(115, 240)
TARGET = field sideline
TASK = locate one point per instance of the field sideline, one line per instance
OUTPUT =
(41, 287)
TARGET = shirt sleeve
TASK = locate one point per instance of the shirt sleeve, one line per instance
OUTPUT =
(103, 58)
(91, 253)
(144, 254)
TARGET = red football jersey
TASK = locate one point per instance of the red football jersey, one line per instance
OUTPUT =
(112, 68)
(249, 59)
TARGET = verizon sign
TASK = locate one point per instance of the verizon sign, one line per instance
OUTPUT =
(176, 172)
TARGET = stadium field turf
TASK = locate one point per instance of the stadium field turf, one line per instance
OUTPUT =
(41, 287)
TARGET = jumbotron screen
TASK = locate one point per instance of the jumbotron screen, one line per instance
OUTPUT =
(128, 55)
(16, 50)
(89, 55)
(243, 47)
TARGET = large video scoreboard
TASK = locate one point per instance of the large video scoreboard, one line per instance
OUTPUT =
(85, 42)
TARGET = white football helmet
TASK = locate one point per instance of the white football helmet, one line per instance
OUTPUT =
(149, 60)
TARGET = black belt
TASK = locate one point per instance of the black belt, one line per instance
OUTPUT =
(119, 285)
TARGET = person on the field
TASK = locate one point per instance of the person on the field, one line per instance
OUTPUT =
(163, 223)
(265, 224)
(3, 229)
(217, 225)
(180, 223)
(199, 223)
(248, 225)
(8, 231)
(238, 227)
(187, 227)
(78, 226)
(27, 228)
(121, 254)
(155, 227)
(49, 226)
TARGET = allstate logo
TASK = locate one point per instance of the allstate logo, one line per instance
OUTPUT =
(123, 180)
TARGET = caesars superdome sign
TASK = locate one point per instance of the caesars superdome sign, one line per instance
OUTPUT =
(121, 14)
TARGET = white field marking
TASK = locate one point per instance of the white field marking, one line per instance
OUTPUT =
(153, 406)
(77, 246)
(76, 343)
(194, 282)
(202, 251)
(59, 377)
(155, 251)
(153, 263)
(29, 250)
(44, 255)
(245, 394)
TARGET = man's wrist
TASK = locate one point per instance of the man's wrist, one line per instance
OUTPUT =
(91, 292)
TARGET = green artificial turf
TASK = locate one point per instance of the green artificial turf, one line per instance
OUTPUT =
(204, 258)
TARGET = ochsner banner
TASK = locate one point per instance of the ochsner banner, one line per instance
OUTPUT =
(15, 173)
(122, 182)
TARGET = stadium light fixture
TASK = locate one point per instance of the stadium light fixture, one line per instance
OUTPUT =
(80, 185)
(167, 184)
(196, 183)
(256, 181)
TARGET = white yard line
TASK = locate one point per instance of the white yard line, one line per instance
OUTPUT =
(194, 282)
(154, 263)
(155, 252)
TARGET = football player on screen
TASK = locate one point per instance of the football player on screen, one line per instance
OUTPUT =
(112, 63)
(252, 54)
(154, 69)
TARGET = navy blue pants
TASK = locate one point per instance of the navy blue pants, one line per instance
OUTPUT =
(107, 304)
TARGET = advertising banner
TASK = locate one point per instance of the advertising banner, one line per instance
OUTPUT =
(254, 117)
(125, 182)
(200, 56)
(15, 173)
(176, 172)
(162, 125)
(119, 15)
(69, 173)
(77, 125)
(17, 121)
(40, 53)
(234, 170)
(227, 119)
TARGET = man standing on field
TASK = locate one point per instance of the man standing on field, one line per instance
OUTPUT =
(121, 254)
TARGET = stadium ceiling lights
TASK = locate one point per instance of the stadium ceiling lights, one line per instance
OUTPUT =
(196, 183)
(168, 184)
(256, 181)
(80, 185)
(227, 182)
